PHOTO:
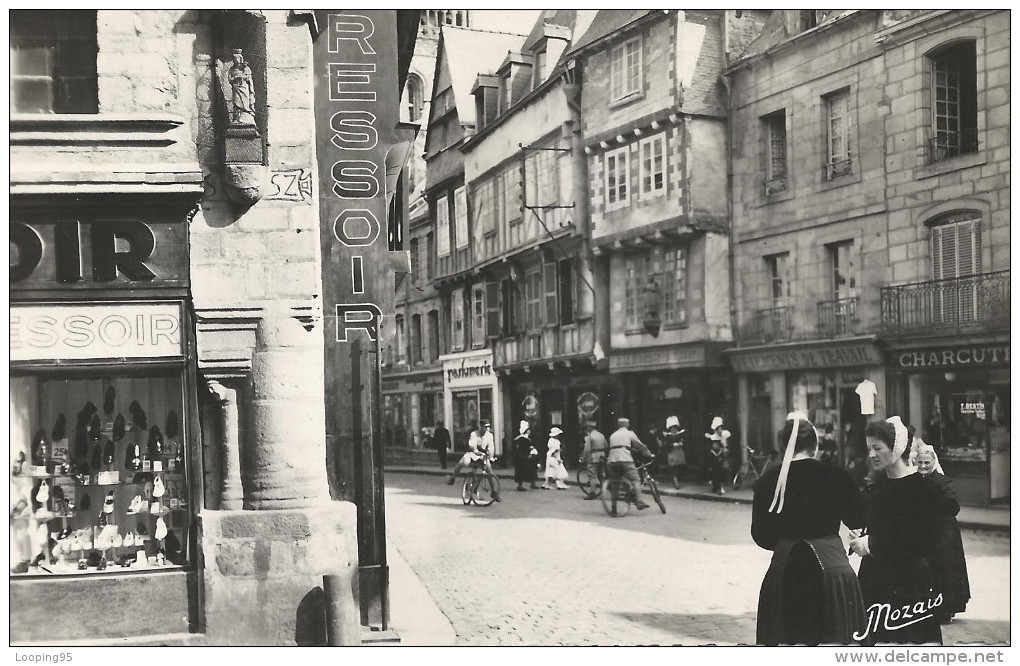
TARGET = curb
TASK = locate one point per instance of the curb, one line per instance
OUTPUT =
(669, 492)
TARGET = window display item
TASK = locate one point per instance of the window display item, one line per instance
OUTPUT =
(138, 419)
(40, 449)
(108, 452)
(136, 505)
(95, 429)
(133, 457)
(109, 399)
(118, 428)
(108, 504)
(18, 463)
(147, 491)
(44, 493)
(158, 489)
(155, 446)
(160, 528)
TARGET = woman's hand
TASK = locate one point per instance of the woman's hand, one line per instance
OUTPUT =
(860, 546)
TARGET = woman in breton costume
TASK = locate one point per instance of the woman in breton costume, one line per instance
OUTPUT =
(810, 593)
(903, 516)
(950, 564)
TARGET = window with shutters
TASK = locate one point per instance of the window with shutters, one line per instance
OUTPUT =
(635, 273)
(492, 309)
(842, 270)
(460, 208)
(457, 320)
(779, 279)
(512, 195)
(625, 69)
(653, 166)
(430, 254)
(774, 126)
(674, 286)
(416, 342)
(617, 175)
(53, 61)
(953, 102)
(401, 342)
(567, 291)
(533, 300)
(955, 258)
(838, 134)
(415, 261)
(443, 227)
(433, 344)
(478, 316)
(550, 286)
(507, 308)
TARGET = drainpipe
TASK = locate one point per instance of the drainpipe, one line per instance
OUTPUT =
(731, 250)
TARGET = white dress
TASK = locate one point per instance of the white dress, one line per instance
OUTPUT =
(554, 468)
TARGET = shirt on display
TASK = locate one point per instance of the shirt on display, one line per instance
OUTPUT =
(867, 391)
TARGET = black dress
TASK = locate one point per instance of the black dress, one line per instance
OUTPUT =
(899, 586)
(949, 563)
(524, 465)
(810, 592)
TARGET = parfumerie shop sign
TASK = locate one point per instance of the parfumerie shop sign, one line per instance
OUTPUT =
(84, 332)
(832, 356)
(471, 371)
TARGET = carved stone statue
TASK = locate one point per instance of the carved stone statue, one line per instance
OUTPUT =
(242, 110)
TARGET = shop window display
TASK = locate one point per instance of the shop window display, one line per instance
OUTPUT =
(99, 477)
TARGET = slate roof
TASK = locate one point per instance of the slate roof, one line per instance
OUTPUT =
(469, 52)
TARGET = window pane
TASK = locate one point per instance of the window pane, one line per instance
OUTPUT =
(31, 96)
(31, 60)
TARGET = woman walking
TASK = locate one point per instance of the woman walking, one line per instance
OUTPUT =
(554, 469)
(950, 563)
(676, 458)
(810, 592)
(903, 516)
(524, 458)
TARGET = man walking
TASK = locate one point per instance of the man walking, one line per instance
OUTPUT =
(622, 443)
(441, 438)
(594, 453)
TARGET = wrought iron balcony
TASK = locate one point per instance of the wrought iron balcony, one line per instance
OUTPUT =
(946, 145)
(975, 302)
(837, 318)
(838, 168)
(765, 326)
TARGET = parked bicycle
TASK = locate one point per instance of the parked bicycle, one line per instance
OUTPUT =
(480, 487)
(617, 494)
(590, 485)
(754, 464)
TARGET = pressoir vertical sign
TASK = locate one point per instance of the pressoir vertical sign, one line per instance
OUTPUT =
(356, 113)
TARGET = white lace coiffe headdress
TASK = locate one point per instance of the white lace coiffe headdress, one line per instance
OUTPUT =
(921, 447)
(779, 498)
(900, 441)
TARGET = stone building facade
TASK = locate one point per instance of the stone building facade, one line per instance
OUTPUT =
(870, 215)
(164, 201)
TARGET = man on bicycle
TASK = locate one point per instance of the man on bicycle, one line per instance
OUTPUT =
(622, 443)
(594, 454)
(481, 448)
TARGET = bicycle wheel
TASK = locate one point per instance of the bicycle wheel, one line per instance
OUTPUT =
(614, 497)
(738, 478)
(654, 487)
(589, 485)
(467, 490)
(486, 490)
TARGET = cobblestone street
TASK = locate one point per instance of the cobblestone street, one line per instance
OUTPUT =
(543, 568)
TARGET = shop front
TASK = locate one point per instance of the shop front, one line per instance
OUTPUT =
(957, 396)
(838, 384)
(471, 394)
(685, 380)
(566, 399)
(411, 403)
(104, 480)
